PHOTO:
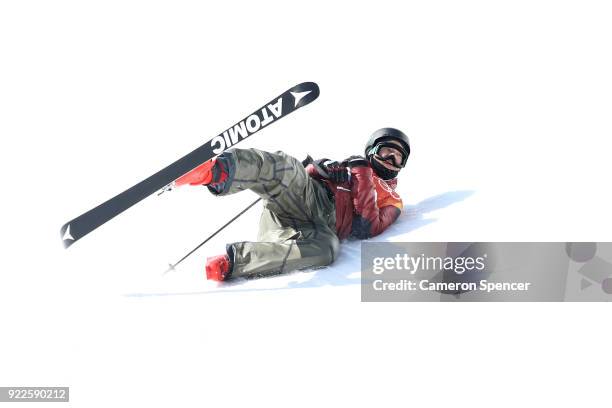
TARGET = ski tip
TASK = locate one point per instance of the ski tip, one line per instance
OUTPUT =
(304, 93)
(66, 235)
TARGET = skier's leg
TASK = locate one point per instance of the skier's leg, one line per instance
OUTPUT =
(297, 227)
(300, 251)
(285, 244)
(278, 178)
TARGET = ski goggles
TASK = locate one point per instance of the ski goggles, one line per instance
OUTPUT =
(390, 152)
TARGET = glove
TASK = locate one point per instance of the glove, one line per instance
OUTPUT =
(336, 172)
(356, 161)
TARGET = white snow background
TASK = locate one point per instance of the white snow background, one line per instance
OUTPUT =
(508, 108)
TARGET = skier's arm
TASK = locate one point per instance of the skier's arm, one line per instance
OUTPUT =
(329, 170)
(370, 220)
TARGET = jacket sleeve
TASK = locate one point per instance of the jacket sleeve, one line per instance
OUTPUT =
(369, 220)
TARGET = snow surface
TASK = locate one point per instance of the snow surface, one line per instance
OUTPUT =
(508, 107)
(344, 272)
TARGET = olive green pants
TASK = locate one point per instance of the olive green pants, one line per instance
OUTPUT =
(297, 226)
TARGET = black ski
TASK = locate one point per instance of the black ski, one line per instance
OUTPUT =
(291, 100)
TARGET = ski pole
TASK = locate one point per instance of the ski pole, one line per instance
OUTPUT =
(172, 266)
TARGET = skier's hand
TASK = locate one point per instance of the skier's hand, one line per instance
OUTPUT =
(356, 161)
(336, 172)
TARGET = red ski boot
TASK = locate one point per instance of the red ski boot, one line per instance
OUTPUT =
(206, 173)
(217, 267)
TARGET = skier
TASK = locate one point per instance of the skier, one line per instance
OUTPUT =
(307, 210)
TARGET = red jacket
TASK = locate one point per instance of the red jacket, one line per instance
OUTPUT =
(365, 206)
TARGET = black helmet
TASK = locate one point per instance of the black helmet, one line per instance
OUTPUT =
(378, 137)
(387, 134)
